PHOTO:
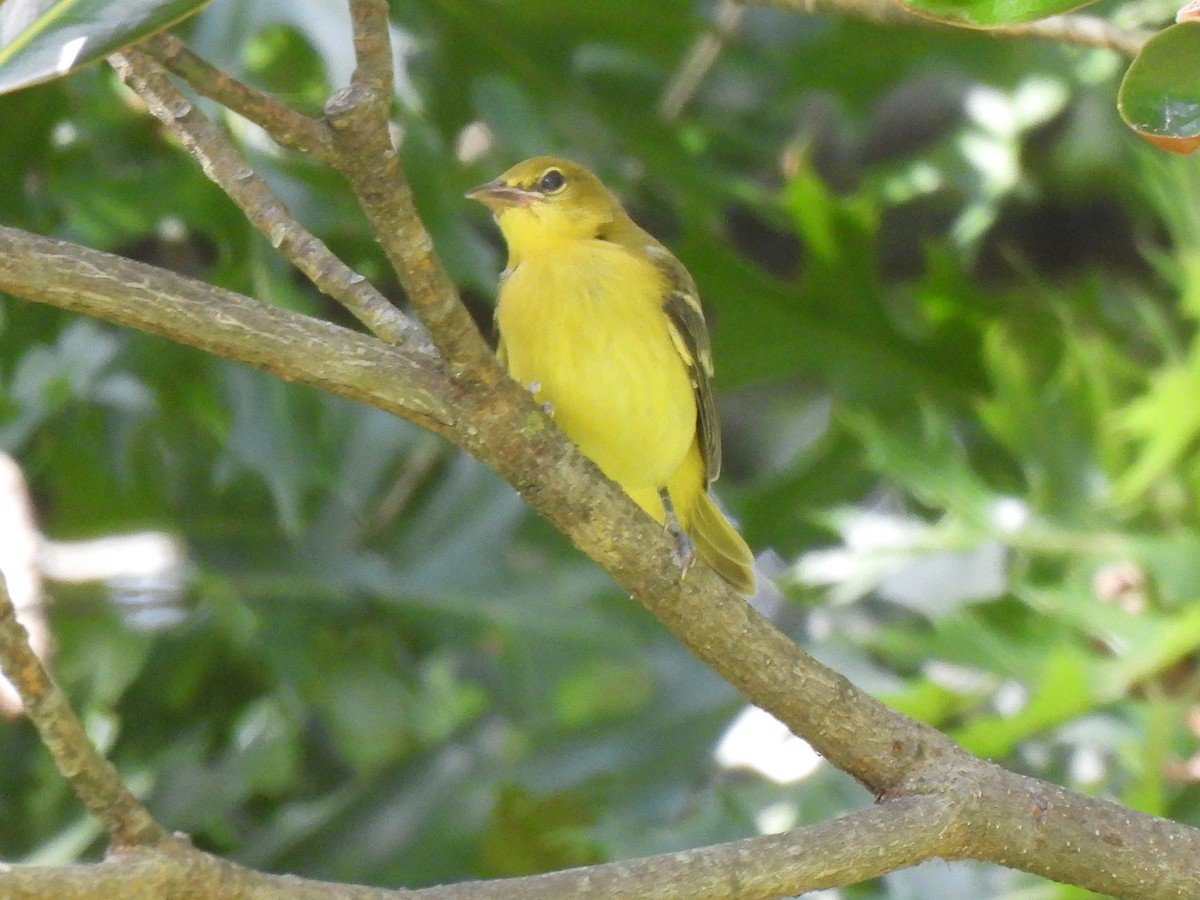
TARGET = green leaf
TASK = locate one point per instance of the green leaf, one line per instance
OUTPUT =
(1164, 423)
(991, 13)
(1065, 687)
(45, 39)
(1160, 94)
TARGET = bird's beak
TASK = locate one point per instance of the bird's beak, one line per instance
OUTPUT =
(496, 195)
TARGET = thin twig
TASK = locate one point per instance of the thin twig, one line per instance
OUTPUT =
(221, 162)
(359, 118)
(93, 777)
(1081, 30)
(1072, 28)
(700, 59)
(287, 126)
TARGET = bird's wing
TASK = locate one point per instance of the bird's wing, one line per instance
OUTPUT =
(689, 333)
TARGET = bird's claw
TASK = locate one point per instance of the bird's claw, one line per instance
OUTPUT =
(684, 552)
(546, 406)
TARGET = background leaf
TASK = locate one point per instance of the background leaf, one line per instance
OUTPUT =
(44, 39)
(1160, 95)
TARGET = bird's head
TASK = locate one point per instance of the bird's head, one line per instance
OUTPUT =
(544, 201)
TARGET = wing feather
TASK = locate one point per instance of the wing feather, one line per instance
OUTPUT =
(690, 335)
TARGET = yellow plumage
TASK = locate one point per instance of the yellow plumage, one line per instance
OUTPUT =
(605, 326)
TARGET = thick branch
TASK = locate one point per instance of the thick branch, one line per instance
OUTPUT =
(221, 161)
(91, 775)
(1045, 829)
(848, 850)
(854, 848)
(404, 380)
(177, 872)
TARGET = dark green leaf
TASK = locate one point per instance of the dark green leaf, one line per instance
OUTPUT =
(1160, 94)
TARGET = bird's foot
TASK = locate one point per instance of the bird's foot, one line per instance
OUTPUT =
(546, 406)
(684, 552)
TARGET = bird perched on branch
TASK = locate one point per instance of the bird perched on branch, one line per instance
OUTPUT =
(604, 325)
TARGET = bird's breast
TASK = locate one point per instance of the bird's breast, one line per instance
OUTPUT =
(585, 323)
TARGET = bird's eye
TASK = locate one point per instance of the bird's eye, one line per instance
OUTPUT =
(551, 181)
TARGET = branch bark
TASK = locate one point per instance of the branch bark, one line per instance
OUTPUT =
(358, 117)
(93, 777)
(287, 126)
(222, 163)
(854, 848)
(407, 380)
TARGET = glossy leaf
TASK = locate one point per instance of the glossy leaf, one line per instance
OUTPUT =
(1160, 94)
(45, 39)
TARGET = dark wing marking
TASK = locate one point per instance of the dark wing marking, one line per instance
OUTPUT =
(690, 335)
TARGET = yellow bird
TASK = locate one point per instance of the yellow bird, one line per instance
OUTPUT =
(604, 325)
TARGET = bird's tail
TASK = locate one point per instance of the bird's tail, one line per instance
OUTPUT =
(719, 544)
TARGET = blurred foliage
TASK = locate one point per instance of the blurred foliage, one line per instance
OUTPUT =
(954, 309)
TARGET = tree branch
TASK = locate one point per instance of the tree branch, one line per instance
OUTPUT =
(221, 162)
(503, 428)
(856, 847)
(358, 117)
(1064, 836)
(1081, 30)
(700, 59)
(178, 871)
(93, 777)
(287, 126)
(851, 849)
(404, 380)
(1072, 28)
